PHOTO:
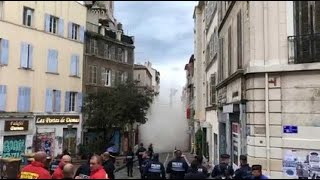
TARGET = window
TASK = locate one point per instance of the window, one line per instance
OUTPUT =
(120, 55)
(75, 65)
(221, 70)
(112, 53)
(73, 101)
(125, 56)
(53, 100)
(119, 77)
(239, 39)
(75, 31)
(93, 46)
(3, 95)
(213, 89)
(138, 76)
(1, 9)
(106, 51)
(52, 61)
(53, 24)
(93, 74)
(26, 55)
(106, 77)
(27, 16)
(24, 98)
(229, 52)
(4, 51)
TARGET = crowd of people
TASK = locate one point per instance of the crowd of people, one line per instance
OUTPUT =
(102, 167)
(152, 168)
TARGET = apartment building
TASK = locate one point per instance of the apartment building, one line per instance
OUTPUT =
(40, 76)
(143, 76)
(211, 67)
(268, 84)
(108, 57)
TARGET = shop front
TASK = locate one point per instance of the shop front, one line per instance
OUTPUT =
(56, 133)
(15, 138)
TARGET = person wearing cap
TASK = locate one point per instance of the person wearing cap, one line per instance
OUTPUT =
(257, 172)
(177, 167)
(244, 172)
(108, 165)
(155, 169)
(194, 171)
(140, 153)
(223, 170)
(201, 168)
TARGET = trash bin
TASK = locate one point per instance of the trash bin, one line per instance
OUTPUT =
(10, 168)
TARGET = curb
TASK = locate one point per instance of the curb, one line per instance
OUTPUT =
(123, 166)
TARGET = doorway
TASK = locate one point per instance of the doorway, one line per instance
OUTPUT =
(70, 140)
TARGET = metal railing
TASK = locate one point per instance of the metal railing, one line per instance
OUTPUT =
(304, 48)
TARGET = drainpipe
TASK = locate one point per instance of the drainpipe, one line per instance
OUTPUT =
(266, 52)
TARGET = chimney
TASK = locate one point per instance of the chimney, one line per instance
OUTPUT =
(119, 26)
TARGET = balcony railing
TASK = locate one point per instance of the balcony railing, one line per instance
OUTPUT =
(304, 48)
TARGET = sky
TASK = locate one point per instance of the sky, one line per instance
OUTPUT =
(163, 32)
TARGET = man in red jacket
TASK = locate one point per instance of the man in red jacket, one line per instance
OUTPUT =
(97, 171)
(36, 169)
(58, 172)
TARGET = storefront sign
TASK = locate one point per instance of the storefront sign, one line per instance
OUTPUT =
(18, 125)
(57, 119)
(290, 129)
(13, 146)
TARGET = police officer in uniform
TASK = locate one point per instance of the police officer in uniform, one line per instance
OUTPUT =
(223, 170)
(155, 169)
(244, 172)
(194, 171)
(146, 160)
(177, 167)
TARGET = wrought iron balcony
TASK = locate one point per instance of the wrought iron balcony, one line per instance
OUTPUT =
(304, 48)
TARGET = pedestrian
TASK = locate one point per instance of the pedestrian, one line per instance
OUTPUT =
(140, 153)
(58, 172)
(150, 149)
(155, 169)
(244, 172)
(68, 171)
(177, 167)
(257, 172)
(129, 162)
(96, 168)
(83, 172)
(194, 171)
(108, 165)
(223, 170)
(36, 169)
(55, 163)
(201, 168)
(145, 161)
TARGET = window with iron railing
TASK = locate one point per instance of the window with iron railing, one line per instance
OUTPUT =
(304, 47)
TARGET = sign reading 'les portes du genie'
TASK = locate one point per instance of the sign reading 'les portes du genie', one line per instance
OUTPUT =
(57, 119)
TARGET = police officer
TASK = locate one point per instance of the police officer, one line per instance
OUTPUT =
(146, 160)
(177, 167)
(129, 162)
(223, 170)
(155, 169)
(201, 168)
(244, 172)
(194, 171)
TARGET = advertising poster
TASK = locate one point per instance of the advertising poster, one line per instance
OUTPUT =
(301, 164)
(46, 142)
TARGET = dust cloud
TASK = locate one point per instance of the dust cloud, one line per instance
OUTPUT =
(167, 126)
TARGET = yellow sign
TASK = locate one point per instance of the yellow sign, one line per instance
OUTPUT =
(57, 119)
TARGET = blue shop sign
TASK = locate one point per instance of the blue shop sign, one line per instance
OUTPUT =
(290, 129)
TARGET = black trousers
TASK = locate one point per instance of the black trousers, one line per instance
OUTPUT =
(130, 169)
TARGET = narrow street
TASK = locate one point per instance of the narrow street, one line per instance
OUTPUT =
(122, 174)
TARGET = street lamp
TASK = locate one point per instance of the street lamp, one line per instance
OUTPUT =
(69, 136)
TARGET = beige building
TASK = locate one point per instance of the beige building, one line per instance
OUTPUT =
(142, 75)
(41, 74)
(268, 84)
